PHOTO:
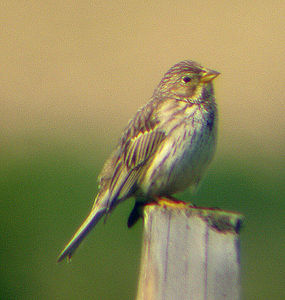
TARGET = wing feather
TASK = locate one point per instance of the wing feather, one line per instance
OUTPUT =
(139, 142)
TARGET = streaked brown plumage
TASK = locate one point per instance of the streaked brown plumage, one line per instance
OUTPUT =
(164, 149)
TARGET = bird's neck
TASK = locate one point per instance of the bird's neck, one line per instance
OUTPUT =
(203, 94)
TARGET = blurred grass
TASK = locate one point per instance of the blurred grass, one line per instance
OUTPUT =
(48, 186)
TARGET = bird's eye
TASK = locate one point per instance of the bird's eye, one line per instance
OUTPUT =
(186, 79)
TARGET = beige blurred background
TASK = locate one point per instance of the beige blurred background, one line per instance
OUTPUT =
(72, 73)
(84, 67)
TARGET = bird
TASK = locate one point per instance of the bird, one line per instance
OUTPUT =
(165, 148)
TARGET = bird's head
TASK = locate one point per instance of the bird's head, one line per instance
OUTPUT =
(188, 81)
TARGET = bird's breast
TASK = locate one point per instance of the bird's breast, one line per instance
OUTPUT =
(182, 158)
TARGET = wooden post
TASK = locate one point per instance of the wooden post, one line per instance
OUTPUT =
(189, 253)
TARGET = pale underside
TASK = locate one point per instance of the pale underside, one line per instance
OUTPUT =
(183, 140)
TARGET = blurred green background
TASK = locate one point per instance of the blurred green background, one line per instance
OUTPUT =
(72, 74)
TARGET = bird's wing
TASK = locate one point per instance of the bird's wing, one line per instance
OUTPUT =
(120, 173)
(139, 142)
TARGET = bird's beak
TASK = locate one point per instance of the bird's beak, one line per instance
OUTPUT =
(209, 76)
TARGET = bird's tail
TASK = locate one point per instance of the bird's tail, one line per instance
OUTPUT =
(95, 215)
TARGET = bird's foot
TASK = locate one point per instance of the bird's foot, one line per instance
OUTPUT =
(171, 201)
